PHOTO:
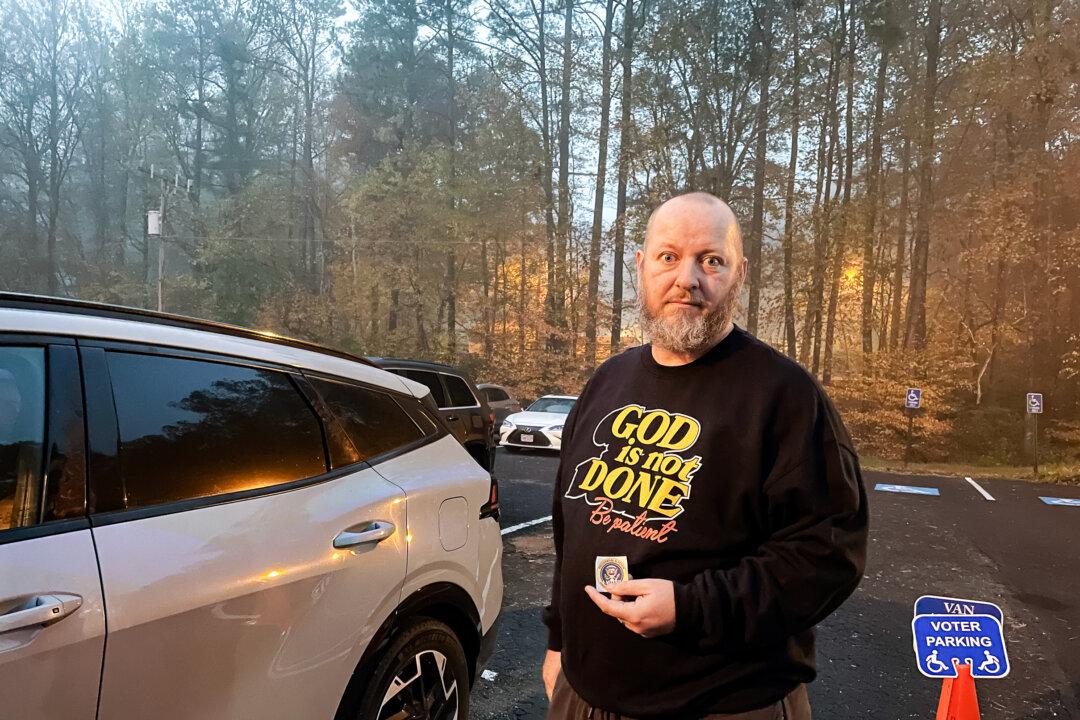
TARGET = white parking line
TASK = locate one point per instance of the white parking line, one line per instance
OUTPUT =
(522, 526)
(979, 487)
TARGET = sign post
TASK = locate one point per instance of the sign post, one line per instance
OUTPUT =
(912, 402)
(1035, 408)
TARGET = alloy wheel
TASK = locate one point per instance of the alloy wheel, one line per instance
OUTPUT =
(424, 688)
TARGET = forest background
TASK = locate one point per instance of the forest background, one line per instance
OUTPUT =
(467, 180)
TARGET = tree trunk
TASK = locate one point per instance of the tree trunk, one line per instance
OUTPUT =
(915, 335)
(593, 295)
(33, 209)
(522, 291)
(548, 169)
(834, 292)
(624, 173)
(55, 172)
(373, 321)
(562, 232)
(841, 237)
(308, 160)
(1000, 297)
(395, 308)
(198, 159)
(823, 227)
(901, 247)
(485, 282)
(757, 220)
(451, 254)
(873, 199)
(1046, 339)
(789, 200)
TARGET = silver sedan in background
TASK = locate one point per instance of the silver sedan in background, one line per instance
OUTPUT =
(539, 426)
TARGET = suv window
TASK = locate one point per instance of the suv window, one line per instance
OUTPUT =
(22, 435)
(460, 395)
(373, 420)
(190, 428)
(495, 395)
(432, 381)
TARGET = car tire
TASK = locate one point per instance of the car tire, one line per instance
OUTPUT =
(424, 671)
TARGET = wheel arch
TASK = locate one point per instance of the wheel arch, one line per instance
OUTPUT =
(443, 601)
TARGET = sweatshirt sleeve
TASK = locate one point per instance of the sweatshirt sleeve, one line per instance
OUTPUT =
(815, 550)
(552, 616)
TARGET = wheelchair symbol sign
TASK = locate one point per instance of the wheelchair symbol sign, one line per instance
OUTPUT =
(1034, 403)
(913, 399)
(943, 642)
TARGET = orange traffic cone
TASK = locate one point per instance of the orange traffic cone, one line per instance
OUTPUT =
(958, 699)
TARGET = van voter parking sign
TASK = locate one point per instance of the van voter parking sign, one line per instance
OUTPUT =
(949, 632)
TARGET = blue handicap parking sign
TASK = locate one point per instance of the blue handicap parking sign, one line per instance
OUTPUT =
(1075, 502)
(1034, 403)
(913, 399)
(910, 489)
(935, 605)
(943, 641)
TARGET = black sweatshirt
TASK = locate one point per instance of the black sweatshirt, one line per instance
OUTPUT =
(732, 476)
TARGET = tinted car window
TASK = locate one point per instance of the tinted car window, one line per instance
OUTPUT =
(432, 381)
(192, 429)
(373, 420)
(496, 395)
(425, 414)
(460, 395)
(22, 435)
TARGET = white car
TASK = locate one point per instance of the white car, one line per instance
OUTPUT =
(218, 523)
(538, 426)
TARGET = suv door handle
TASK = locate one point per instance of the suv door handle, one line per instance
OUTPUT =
(451, 418)
(39, 610)
(369, 532)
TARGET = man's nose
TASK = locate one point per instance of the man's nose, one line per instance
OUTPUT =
(688, 277)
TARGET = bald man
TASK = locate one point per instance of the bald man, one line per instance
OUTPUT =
(718, 472)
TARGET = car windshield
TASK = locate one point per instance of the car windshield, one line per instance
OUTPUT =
(552, 405)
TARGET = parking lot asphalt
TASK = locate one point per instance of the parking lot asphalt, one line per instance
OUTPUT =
(993, 540)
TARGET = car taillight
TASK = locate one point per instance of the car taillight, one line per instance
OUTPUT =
(491, 507)
(491, 417)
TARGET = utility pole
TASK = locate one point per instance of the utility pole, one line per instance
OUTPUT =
(161, 253)
(155, 227)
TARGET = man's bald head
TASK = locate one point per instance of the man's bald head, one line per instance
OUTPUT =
(703, 208)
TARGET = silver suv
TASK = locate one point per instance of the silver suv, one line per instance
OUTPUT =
(203, 521)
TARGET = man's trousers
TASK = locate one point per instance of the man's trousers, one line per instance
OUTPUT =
(566, 704)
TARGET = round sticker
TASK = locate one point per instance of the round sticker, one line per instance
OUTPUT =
(611, 573)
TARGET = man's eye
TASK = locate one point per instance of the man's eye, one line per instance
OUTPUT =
(713, 262)
(667, 257)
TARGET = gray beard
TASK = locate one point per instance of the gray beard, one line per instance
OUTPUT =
(684, 333)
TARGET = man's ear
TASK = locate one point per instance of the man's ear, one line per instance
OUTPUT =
(743, 268)
(639, 257)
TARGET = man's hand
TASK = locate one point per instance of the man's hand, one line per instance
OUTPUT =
(552, 665)
(648, 608)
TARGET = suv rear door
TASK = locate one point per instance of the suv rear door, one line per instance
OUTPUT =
(464, 405)
(439, 394)
(52, 618)
(247, 556)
